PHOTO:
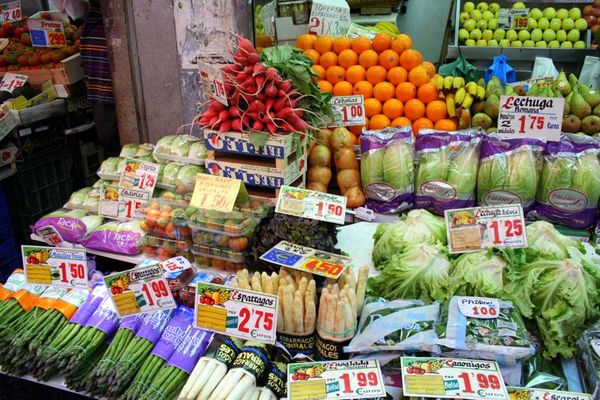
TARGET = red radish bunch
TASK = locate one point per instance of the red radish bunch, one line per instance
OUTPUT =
(259, 99)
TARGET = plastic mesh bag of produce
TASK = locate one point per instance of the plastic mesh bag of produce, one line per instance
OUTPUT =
(116, 237)
(387, 168)
(71, 225)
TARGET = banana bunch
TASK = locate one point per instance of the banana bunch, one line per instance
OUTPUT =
(385, 27)
(458, 93)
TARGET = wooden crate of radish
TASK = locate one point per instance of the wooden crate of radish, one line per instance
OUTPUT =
(241, 143)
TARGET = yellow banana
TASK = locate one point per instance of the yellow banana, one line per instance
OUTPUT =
(450, 105)
(480, 92)
(468, 101)
(471, 87)
(458, 82)
(459, 96)
(439, 82)
(448, 82)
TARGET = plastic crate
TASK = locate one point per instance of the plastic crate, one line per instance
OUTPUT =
(40, 138)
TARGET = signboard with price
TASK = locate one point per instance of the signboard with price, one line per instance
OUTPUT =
(139, 175)
(348, 110)
(530, 117)
(45, 33)
(216, 193)
(352, 379)
(214, 84)
(479, 228)
(513, 18)
(233, 312)
(139, 290)
(329, 17)
(544, 394)
(306, 259)
(12, 81)
(122, 204)
(11, 11)
(55, 266)
(310, 204)
(175, 264)
(451, 378)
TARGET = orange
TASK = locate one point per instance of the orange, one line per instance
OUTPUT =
(388, 59)
(372, 107)
(436, 110)
(405, 40)
(347, 58)
(313, 55)
(445, 125)
(341, 43)
(405, 91)
(381, 42)
(365, 88)
(335, 74)
(421, 123)
(398, 46)
(355, 73)
(397, 75)
(361, 44)
(319, 70)
(368, 58)
(401, 121)
(383, 91)
(376, 74)
(414, 109)
(323, 44)
(427, 92)
(357, 129)
(379, 121)
(393, 108)
(328, 59)
(418, 76)
(305, 41)
(354, 138)
(325, 86)
(410, 59)
(430, 68)
(342, 88)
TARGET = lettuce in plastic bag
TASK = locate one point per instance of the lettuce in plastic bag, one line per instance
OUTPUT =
(186, 176)
(77, 198)
(170, 173)
(129, 150)
(110, 166)
(163, 146)
(71, 225)
(197, 150)
(116, 237)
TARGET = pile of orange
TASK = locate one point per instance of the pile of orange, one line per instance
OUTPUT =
(395, 82)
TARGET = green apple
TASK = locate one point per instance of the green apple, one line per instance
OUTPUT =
(481, 43)
(487, 15)
(487, 35)
(492, 43)
(573, 35)
(470, 43)
(568, 24)
(516, 43)
(580, 44)
(519, 4)
(494, 7)
(535, 13)
(475, 34)
(463, 35)
(482, 6)
(541, 43)
(531, 23)
(493, 24)
(566, 45)
(469, 6)
(499, 34)
(512, 35)
(476, 15)
(523, 35)
(482, 25)
(543, 23)
(505, 43)
(536, 35)
(581, 24)
(555, 24)
(464, 17)
(549, 12)
(549, 35)
(575, 13)
(562, 13)
(529, 43)
(470, 25)
(561, 36)
(554, 44)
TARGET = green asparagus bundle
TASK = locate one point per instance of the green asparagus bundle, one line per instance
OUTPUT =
(81, 378)
(16, 306)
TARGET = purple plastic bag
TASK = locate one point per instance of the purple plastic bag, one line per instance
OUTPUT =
(116, 237)
(191, 348)
(71, 225)
(153, 325)
(105, 317)
(93, 301)
(180, 324)
(131, 322)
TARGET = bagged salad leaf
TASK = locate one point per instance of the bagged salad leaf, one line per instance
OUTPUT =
(116, 237)
(129, 150)
(387, 168)
(109, 167)
(181, 148)
(186, 178)
(446, 169)
(483, 328)
(71, 225)
(540, 373)
(569, 186)
(164, 144)
(589, 349)
(509, 171)
(397, 325)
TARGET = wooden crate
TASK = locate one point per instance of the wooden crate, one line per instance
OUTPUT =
(280, 146)
(366, 7)
(69, 72)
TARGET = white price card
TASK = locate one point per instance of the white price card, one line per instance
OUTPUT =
(544, 394)
(452, 378)
(12, 81)
(513, 18)
(479, 228)
(139, 175)
(310, 204)
(55, 266)
(329, 17)
(45, 33)
(121, 203)
(233, 312)
(479, 307)
(348, 110)
(214, 83)
(352, 379)
(11, 11)
(140, 290)
(530, 117)
(175, 264)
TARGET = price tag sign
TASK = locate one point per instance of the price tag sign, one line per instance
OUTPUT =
(12, 81)
(217, 193)
(214, 83)
(348, 110)
(513, 18)
(306, 259)
(121, 203)
(530, 117)
(479, 228)
(139, 175)
(451, 378)
(352, 379)
(233, 312)
(140, 290)
(175, 264)
(11, 11)
(55, 266)
(310, 204)
(543, 394)
(329, 17)
(46, 33)
(479, 307)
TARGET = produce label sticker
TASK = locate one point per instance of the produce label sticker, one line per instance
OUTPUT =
(46, 33)
(530, 117)
(306, 259)
(348, 110)
(121, 203)
(479, 228)
(310, 204)
(329, 17)
(139, 175)
(452, 378)
(352, 379)
(175, 264)
(233, 312)
(214, 84)
(140, 290)
(543, 394)
(11, 11)
(513, 18)
(218, 193)
(50, 235)
(12, 81)
(55, 266)
(479, 307)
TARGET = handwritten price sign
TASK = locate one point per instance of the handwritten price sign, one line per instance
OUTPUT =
(60, 267)
(348, 110)
(12, 81)
(513, 18)
(46, 33)
(139, 175)
(479, 307)
(329, 17)
(310, 204)
(214, 83)
(215, 192)
(11, 11)
(175, 264)
(121, 203)
(530, 117)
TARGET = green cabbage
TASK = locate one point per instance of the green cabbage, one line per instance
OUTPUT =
(129, 150)
(187, 176)
(398, 164)
(198, 151)
(170, 173)
(478, 274)
(371, 166)
(164, 144)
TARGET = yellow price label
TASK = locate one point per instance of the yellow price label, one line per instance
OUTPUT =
(215, 192)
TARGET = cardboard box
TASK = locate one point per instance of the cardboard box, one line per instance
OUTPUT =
(286, 29)
(239, 143)
(69, 72)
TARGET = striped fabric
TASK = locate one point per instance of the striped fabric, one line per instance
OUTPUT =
(94, 53)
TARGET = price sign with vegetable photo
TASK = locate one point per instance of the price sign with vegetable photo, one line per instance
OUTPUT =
(55, 266)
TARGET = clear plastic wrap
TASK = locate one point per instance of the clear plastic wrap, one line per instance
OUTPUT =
(181, 148)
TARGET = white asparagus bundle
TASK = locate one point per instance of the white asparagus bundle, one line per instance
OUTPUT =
(357, 286)
(337, 312)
